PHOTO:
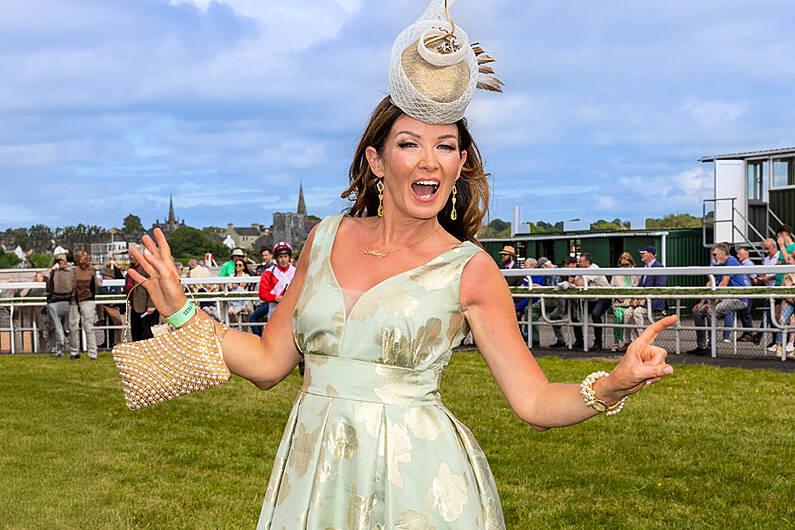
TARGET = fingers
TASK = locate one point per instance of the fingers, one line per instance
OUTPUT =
(658, 355)
(137, 278)
(154, 256)
(162, 243)
(143, 259)
(655, 371)
(651, 332)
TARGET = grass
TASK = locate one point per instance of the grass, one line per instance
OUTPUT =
(708, 447)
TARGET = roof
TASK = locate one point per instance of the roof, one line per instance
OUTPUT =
(750, 154)
(246, 231)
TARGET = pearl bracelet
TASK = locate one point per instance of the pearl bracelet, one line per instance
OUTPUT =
(588, 394)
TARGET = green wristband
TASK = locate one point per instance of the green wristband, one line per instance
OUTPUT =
(183, 315)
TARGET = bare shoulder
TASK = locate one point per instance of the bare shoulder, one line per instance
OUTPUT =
(480, 280)
(356, 224)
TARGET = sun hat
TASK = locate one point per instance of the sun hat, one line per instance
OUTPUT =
(508, 249)
(237, 252)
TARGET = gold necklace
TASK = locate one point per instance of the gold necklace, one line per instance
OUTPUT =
(384, 253)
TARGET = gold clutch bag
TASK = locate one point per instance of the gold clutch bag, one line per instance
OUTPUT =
(171, 364)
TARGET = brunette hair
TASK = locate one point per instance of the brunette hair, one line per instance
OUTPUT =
(472, 197)
(626, 256)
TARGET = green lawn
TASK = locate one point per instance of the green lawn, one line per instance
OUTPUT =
(708, 447)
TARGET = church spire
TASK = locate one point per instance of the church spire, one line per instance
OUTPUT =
(301, 203)
(171, 217)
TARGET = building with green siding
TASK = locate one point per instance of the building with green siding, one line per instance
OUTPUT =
(675, 248)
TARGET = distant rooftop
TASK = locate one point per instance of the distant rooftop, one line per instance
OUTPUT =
(750, 154)
(246, 231)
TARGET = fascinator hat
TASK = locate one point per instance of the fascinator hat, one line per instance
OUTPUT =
(434, 69)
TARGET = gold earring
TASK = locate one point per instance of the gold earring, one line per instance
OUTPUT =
(380, 187)
(453, 214)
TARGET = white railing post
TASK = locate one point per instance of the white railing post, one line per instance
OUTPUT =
(13, 334)
(677, 329)
(713, 332)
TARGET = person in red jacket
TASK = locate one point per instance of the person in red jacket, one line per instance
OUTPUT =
(275, 280)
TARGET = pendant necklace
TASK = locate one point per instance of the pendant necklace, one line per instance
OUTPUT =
(384, 253)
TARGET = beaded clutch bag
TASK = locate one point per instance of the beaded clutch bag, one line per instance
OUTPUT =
(171, 364)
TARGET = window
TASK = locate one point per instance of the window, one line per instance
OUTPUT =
(757, 173)
(783, 172)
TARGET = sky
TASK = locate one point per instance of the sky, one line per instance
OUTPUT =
(109, 107)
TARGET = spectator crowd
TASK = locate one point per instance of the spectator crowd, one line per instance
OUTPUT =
(635, 313)
(71, 288)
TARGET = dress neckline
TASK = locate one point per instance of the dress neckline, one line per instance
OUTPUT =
(349, 311)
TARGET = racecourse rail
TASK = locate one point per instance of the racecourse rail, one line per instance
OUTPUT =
(578, 295)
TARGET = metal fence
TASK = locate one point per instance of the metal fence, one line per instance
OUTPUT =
(25, 334)
(674, 339)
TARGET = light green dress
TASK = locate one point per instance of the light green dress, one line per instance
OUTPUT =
(369, 444)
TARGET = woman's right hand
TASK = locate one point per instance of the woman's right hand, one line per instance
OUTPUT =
(163, 283)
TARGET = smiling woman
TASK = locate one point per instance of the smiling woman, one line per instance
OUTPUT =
(472, 188)
(379, 299)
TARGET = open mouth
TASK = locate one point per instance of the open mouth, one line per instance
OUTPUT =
(425, 190)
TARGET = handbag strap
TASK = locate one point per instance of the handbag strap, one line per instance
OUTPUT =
(126, 326)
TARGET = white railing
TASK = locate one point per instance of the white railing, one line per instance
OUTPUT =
(220, 298)
(581, 295)
(678, 293)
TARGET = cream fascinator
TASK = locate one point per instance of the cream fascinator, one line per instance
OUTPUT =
(434, 69)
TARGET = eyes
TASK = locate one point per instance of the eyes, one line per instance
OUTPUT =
(447, 146)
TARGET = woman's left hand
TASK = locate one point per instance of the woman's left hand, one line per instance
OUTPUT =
(643, 364)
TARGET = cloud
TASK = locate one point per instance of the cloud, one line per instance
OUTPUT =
(108, 107)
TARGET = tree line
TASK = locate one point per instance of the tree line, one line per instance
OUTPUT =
(498, 228)
(40, 240)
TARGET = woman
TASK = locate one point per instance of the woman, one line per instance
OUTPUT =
(333, 267)
(83, 307)
(379, 299)
(621, 304)
(60, 285)
(786, 310)
(239, 309)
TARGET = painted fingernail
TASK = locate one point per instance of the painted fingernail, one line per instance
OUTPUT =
(668, 370)
(648, 382)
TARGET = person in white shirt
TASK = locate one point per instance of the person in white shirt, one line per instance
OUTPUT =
(767, 280)
(596, 308)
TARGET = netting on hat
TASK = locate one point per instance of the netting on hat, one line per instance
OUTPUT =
(405, 95)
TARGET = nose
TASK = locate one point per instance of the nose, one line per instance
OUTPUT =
(429, 162)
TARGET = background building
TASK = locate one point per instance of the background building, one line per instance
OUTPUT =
(754, 194)
(292, 227)
(245, 236)
(171, 223)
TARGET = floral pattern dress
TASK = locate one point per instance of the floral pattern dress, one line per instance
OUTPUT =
(369, 444)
